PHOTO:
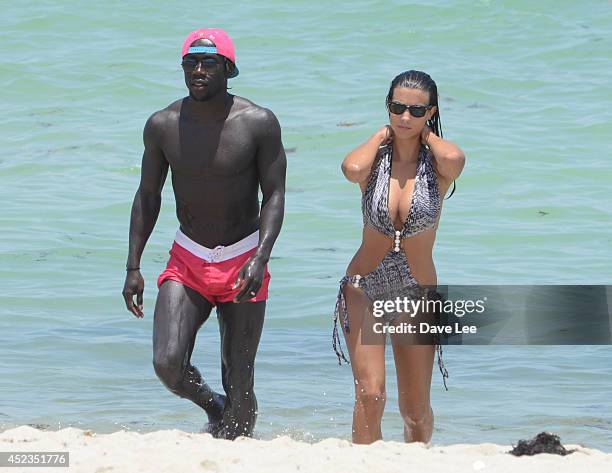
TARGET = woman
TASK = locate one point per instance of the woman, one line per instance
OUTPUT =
(403, 170)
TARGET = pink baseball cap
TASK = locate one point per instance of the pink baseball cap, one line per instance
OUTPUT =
(224, 45)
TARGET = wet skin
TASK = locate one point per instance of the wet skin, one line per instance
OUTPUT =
(221, 149)
(413, 363)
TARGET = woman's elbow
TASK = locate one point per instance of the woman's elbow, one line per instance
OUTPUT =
(454, 164)
(458, 158)
(353, 172)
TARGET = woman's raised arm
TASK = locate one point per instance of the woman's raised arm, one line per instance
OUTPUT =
(358, 163)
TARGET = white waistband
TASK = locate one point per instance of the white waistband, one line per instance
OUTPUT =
(219, 253)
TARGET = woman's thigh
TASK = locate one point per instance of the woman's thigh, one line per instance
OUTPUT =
(366, 350)
(414, 365)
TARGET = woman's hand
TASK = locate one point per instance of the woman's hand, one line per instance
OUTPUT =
(385, 134)
(425, 132)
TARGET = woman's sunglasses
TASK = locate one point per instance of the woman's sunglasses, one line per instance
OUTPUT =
(417, 111)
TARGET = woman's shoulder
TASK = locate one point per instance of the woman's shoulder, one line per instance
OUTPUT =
(383, 150)
(432, 169)
(429, 159)
(380, 154)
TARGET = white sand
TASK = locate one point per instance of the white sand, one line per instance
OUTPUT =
(180, 452)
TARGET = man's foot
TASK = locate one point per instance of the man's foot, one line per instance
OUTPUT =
(229, 432)
(213, 428)
(215, 415)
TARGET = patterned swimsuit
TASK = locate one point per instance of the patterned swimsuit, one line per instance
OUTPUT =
(392, 277)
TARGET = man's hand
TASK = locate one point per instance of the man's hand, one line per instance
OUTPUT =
(249, 279)
(134, 286)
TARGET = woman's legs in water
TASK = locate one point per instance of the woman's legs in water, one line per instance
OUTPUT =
(368, 364)
(414, 364)
(179, 313)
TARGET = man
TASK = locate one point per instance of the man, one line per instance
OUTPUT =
(221, 148)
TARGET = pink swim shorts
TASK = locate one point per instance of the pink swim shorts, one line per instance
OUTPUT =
(212, 272)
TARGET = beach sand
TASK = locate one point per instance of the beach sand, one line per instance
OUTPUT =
(181, 452)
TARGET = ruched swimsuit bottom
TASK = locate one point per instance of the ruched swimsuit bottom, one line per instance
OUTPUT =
(392, 278)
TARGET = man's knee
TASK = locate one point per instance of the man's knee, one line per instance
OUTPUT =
(169, 369)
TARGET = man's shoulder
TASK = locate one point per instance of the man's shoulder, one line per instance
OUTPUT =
(160, 121)
(163, 117)
(253, 114)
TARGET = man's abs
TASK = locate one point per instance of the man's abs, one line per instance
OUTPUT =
(211, 233)
(213, 214)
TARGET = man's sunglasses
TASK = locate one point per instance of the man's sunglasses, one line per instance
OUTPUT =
(208, 63)
(417, 111)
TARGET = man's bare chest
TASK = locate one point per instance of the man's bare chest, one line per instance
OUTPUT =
(196, 151)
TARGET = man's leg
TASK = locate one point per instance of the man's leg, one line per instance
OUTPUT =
(240, 326)
(179, 313)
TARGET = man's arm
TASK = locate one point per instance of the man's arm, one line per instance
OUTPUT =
(145, 211)
(272, 168)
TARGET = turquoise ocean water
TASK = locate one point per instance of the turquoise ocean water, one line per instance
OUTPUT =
(525, 90)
